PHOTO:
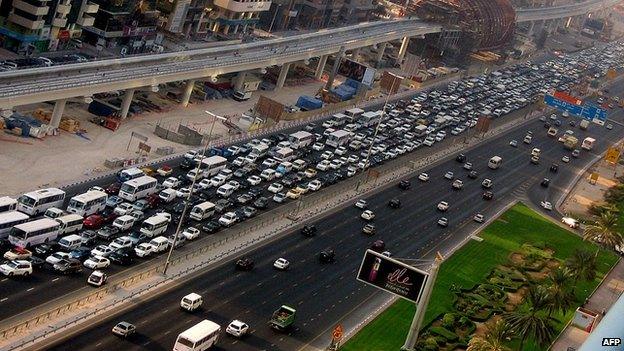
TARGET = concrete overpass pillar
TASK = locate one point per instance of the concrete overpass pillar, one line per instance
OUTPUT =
(403, 49)
(531, 28)
(334, 71)
(320, 67)
(381, 47)
(57, 112)
(125, 104)
(282, 76)
(188, 90)
(239, 81)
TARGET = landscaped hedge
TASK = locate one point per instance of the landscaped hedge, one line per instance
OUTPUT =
(447, 334)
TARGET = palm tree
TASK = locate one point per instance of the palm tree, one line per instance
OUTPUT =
(604, 231)
(531, 319)
(493, 339)
(582, 264)
(560, 291)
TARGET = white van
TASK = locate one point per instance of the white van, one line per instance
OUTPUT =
(159, 244)
(69, 223)
(268, 174)
(154, 225)
(202, 211)
(225, 190)
(167, 195)
(70, 242)
(191, 302)
(124, 222)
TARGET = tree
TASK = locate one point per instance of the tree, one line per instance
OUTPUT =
(531, 319)
(493, 339)
(582, 264)
(604, 231)
(560, 291)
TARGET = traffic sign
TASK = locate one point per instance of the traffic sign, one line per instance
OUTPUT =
(594, 113)
(563, 105)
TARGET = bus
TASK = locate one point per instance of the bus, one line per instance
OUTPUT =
(202, 211)
(300, 139)
(34, 232)
(354, 114)
(36, 202)
(129, 174)
(154, 225)
(69, 223)
(213, 165)
(338, 138)
(588, 143)
(495, 162)
(10, 219)
(93, 201)
(7, 204)
(199, 337)
(138, 188)
(371, 118)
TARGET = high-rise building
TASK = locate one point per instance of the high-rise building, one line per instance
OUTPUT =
(28, 26)
(316, 14)
(235, 17)
(356, 11)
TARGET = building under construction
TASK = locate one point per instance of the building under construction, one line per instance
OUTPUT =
(469, 25)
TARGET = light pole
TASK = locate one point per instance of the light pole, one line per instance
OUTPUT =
(188, 198)
(274, 15)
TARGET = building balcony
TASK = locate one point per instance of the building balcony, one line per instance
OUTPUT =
(31, 9)
(239, 6)
(59, 22)
(63, 9)
(90, 7)
(25, 22)
(85, 21)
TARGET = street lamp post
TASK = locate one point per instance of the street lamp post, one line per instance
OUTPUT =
(188, 198)
(274, 15)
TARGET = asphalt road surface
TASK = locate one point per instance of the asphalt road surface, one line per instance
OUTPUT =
(322, 294)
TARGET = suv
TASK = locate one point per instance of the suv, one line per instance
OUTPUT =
(394, 203)
(68, 266)
(17, 267)
(308, 230)
(405, 184)
(244, 264)
(461, 158)
(327, 256)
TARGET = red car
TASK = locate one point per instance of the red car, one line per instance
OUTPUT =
(113, 189)
(96, 221)
(153, 200)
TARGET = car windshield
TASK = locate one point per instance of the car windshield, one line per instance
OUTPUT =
(12, 264)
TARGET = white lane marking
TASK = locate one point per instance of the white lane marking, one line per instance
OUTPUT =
(31, 289)
(4, 299)
(55, 279)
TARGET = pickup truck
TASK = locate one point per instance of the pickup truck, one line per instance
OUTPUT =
(283, 318)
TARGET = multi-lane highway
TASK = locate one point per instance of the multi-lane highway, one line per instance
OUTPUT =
(323, 294)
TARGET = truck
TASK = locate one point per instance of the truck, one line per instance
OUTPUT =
(584, 124)
(283, 318)
(588, 143)
(307, 103)
(570, 142)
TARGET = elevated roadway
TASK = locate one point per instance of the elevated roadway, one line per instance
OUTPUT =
(28, 86)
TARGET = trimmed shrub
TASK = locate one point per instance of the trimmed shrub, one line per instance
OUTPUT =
(445, 333)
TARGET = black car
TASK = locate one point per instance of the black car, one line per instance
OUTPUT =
(45, 250)
(378, 246)
(68, 266)
(308, 230)
(240, 173)
(394, 203)
(488, 195)
(554, 168)
(186, 164)
(124, 256)
(327, 256)
(108, 232)
(288, 181)
(249, 211)
(138, 238)
(244, 264)
(211, 227)
(545, 182)
(222, 205)
(36, 262)
(261, 203)
(461, 158)
(473, 174)
(547, 125)
(81, 253)
(331, 179)
(178, 208)
(405, 184)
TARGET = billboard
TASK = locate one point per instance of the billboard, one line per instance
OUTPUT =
(357, 72)
(392, 276)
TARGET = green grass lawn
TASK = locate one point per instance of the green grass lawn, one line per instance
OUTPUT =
(471, 265)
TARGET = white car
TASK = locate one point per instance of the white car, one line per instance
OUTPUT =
(443, 222)
(323, 165)
(565, 159)
(513, 143)
(314, 185)
(279, 197)
(17, 267)
(335, 164)
(205, 184)
(183, 192)
(144, 249)
(423, 177)
(97, 262)
(361, 204)
(546, 205)
(101, 250)
(254, 180)
(429, 141)
(167, 215)
(353, 159)
(228, 219)
(275, 188)
(341, 151)
(368, 215)
(239, 161)
(218, 180)
(237, 328)
(121, 242)
(281, 263)
(171, 182)
(449, 175)
(468, 166)
(57, 257)
(443, 206)
(123, 208)
(327, 155)
(478, 218)
(191, 233)
(318, 146)
(458, 184)
(486, 183)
